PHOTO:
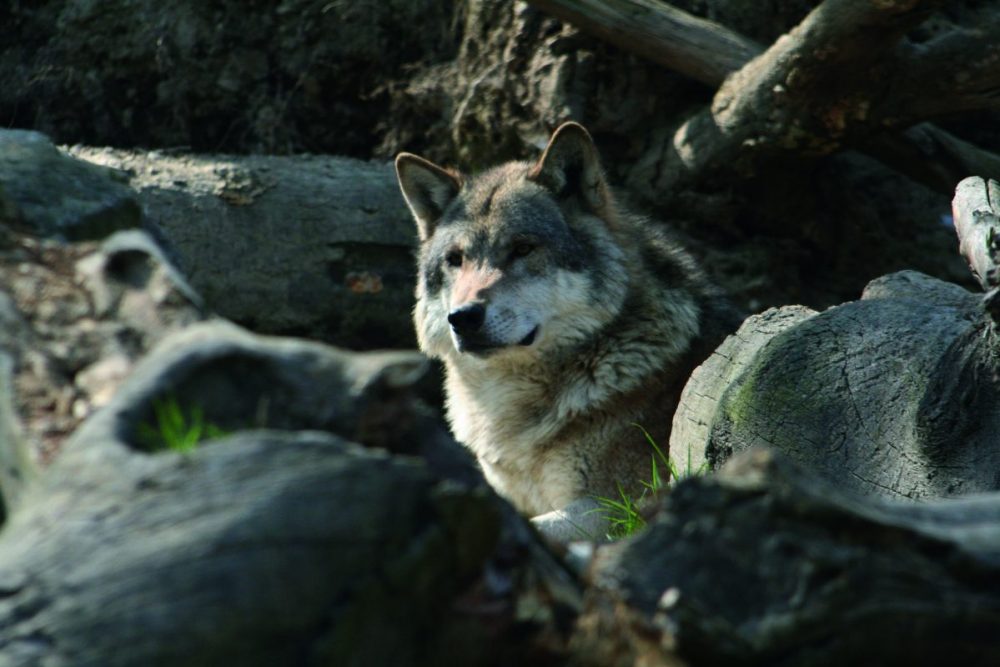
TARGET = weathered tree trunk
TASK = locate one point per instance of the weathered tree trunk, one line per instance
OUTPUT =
(266, 548)
(894, 394)
(766, 564)
(283, 543)
(314, 246)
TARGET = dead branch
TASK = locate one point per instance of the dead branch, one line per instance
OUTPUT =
(792, 98)
(976, 209)
(956, 72)
(933, 157)
(700, 49)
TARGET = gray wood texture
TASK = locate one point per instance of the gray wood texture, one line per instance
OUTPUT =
(266, 548)
(896, 394)
(792, 96)
(976, 211)
(767, 564)
(304, 245)
(660, 33)
(284, 542)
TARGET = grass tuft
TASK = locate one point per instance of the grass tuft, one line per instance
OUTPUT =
(175, 429)
(623, 513)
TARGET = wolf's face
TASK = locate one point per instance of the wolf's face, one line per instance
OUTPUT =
(517, 259)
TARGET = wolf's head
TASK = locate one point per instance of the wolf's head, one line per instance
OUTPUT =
(518, 259)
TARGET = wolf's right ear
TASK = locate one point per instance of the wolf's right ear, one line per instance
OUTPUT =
(427, 189)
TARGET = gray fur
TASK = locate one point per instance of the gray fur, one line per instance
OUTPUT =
(588, 319)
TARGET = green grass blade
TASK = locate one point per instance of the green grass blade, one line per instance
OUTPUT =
(176, 429)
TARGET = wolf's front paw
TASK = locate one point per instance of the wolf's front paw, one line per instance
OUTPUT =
(580, 520)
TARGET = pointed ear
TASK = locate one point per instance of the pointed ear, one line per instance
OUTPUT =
(427, 189)
(570, 167)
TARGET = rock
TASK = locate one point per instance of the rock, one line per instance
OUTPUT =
(895, 394)
(52, 194)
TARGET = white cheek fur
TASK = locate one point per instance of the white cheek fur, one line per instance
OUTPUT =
(430, 316)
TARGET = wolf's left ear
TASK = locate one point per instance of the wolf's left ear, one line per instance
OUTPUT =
(427, 189)
(570, 167)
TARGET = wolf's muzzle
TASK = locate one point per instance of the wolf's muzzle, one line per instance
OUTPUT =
(469, 334)
(467, 320)
(467, 325)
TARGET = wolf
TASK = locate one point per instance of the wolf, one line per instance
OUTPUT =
(564, 323)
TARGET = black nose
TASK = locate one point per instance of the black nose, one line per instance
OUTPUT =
(468, 319)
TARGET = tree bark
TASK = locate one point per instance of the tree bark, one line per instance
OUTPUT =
(766, 564)
(266, 548)
(315, 246)
(893, 395)
(793, 97)
(774, 103)
(691, 429)
(700, 49)
(282, 542)
(955, 72)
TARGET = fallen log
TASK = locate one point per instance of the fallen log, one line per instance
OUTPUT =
(280, 540)
(765, 563)
(314, 246)
(894, 394)
(791, 97)
(262, 549)
(701, 49)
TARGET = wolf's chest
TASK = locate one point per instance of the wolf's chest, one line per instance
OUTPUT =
(513, 429)
(550, 484)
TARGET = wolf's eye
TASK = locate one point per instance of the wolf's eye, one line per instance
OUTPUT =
(454, 258)
(522, 249)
